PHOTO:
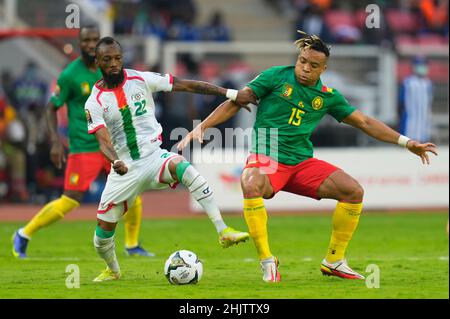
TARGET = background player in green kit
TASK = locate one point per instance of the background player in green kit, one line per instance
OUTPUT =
(85, 161)
(293, 100)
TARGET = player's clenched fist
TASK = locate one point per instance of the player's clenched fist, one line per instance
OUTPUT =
(120, 167)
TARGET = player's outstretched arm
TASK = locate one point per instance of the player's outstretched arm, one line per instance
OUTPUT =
(241, 97)
(384, 133)
(222, 113)
(108, 151)
(57, 149)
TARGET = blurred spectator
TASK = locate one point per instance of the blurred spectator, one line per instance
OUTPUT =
(183, 31)
(7, 83)
(416, 97)
(183, 10)
(382, 36)
(183, 15)
(435, 15)
(30, 93)
(284, 7)
(322, 4)
(124, 18)
(311, 20)
(12, 162)
(166, 19)
(216, 29)
(156, 25)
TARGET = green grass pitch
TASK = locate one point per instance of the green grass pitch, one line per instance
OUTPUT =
(410, 250)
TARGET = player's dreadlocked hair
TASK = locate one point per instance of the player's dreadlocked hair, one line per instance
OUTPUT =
(313, 42)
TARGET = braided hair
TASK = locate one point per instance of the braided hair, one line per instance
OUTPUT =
(312, 42)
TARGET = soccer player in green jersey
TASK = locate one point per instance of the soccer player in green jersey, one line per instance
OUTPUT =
(85, 161)
(293, 100)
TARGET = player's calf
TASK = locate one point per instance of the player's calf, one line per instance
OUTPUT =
(182, 171)
(254, 184)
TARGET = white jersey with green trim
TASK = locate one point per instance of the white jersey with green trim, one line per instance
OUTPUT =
(128, 112)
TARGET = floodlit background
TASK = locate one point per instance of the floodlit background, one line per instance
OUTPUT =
(229, 43)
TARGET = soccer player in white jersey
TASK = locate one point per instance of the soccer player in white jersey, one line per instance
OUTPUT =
(121, 113)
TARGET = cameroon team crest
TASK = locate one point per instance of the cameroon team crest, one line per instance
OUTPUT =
(73, 178)
(317, 103)
(287, 90)
(85, 88)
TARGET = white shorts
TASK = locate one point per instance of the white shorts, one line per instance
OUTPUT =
(121, 190)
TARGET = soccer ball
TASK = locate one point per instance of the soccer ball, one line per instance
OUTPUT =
(183, 267)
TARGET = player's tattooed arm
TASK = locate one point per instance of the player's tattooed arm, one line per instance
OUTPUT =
(201, 87)
(57, 149)
(107, 149)
(222, 113)
(194, 86)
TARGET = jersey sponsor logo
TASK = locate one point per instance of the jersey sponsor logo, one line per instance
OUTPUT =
(317, 103)
(138, 96)
(85, 88)
(287, 90)
(88, 117)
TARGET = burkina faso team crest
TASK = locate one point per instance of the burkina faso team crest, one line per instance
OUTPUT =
(287, 90)
(317, 103)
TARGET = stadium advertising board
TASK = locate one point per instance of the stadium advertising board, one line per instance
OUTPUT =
(392, 178)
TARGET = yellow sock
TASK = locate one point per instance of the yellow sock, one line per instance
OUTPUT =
(345, 221)
(256, 217)
(49, 214)
(132, 220)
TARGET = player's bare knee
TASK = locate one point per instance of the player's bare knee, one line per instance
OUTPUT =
(106, 225)
(359, 192)
(252, 183)
(352, 193)
(75, 195)
(173, 166)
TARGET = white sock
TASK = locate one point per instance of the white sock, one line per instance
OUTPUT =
(203, 194)
(271, 259)
(106, 249)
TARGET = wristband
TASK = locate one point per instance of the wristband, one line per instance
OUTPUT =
(403, 140)
(232, 94)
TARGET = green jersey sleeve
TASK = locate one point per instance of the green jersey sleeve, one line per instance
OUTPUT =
(263, 83)
(340, 107)
(62, 91)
